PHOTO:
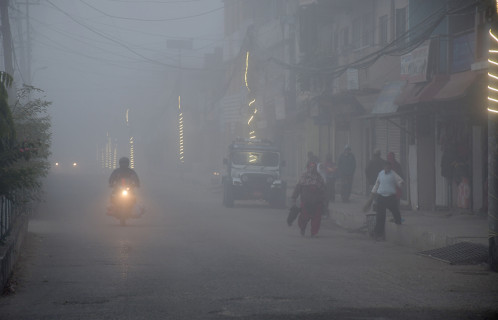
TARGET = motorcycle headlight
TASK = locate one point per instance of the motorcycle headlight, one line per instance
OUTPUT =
(124, 193)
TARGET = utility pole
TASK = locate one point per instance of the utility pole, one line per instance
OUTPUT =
(6, 37)
(493, 136)
(28, 45)
(28, 77)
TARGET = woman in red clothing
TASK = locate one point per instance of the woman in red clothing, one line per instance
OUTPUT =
(311, 189)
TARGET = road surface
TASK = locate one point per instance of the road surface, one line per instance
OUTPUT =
(190, 258)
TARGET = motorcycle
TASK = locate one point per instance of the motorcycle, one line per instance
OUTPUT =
(124, 203)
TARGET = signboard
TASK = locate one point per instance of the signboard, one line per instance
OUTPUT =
(306, 2)
(414, 64)
(185, 44)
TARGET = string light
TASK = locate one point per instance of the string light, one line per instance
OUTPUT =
(492, 92)
(180, 131)
(252, 134)
(247, 68)
(132, 153)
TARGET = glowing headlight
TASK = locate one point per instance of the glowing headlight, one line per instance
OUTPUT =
(57, 164)
(270, 180)
(124, 193)
(75, 164)
(244, 178)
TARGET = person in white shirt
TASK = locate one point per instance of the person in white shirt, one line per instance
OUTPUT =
(385, 192)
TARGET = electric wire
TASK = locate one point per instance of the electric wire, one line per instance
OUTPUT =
(152, 20)
(395, 47)
(118, 42)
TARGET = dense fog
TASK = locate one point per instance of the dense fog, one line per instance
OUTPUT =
(98, 61)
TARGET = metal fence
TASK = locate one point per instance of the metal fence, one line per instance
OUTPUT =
(9, 212)
(7, 217)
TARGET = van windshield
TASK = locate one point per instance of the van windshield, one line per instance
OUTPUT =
(255, 158)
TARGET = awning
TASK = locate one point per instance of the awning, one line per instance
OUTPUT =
(413, 93)
(457, 85)
(440, 88)
(385, 102)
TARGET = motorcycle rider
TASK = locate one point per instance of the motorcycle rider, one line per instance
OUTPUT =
(124, 172)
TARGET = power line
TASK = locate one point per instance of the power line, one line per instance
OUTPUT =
(117, 42)
(398, 46)
(156, 1)
(151, 20)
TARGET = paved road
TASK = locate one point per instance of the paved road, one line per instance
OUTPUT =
(190, 258)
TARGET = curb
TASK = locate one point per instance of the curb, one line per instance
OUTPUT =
(413, 236)
(11, 249)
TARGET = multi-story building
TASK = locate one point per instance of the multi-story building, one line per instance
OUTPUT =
(399, 76)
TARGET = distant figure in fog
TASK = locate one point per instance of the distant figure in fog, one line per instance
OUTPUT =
(385, 193)
(327, 170)
(374, 166)
(346, 167)
(311, 158)
(311, 190)
(124, 172)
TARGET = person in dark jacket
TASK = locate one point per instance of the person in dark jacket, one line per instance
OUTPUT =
(311, 190)
(124, 172)
(374, 166)
(346, 167)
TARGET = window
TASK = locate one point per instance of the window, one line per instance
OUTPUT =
(401, 22)
(345, 38)
(255, 158)
(383, 27)
(356, 33)
(367, 30)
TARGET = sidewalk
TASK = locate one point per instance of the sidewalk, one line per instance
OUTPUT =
(422, 230)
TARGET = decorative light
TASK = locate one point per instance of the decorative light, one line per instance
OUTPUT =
(253, 101)
(492, 92)
(247, 67)
(115, 157)
(180, 131)
(132, 152)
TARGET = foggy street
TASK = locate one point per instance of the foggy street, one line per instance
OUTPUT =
(189, 257)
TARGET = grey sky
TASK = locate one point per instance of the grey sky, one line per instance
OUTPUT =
(94, 66)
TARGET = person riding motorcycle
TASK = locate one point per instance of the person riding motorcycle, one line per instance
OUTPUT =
(122, 175)
(124, 172)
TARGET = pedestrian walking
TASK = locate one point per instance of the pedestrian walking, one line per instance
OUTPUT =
(311, 190)
(385, 193)
(374, 166)
(346, 167)
(327, 170)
